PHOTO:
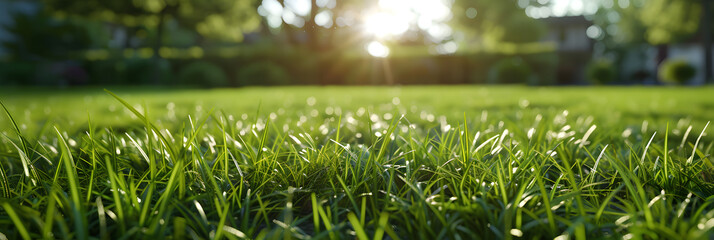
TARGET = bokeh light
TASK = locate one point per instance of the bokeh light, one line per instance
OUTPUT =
(377, 49)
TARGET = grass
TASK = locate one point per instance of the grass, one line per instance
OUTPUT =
(358, 163)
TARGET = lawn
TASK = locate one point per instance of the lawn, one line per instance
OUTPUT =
(450, 162)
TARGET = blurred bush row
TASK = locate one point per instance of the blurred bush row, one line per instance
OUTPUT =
(289, 69)
(671, 71)
(538, 69)
(141, 72)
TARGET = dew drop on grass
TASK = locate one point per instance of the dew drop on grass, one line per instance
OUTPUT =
(551, 153)
(351, 120)
(374, 117)
(524, 103)
(530, 133)
(311, 101)
(562, 237)
(626, 133)
(516, 232)
(360, 111)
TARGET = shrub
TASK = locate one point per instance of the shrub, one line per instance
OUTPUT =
(544, 66)
(676, 71)
(510, 70)
(136, 71)
(262, 73)
(600, 72)
(203, 73)
(17, 73)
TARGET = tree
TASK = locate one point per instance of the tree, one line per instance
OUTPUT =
(220, 19)
(670, 21)
(302, 26)
(657, 22)
(707, 39)
(496, 21)
(217, 19)
(317, 27)
(39, 37)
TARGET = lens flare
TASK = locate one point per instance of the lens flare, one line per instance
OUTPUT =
(383, 25)
(377, 49)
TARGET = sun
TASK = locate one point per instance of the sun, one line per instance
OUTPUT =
(383, 24)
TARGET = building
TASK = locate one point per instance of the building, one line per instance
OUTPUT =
(574, 47)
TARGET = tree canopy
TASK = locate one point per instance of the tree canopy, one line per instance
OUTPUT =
(496, 21)
(669, 21)
(219, 19)
(649, 21)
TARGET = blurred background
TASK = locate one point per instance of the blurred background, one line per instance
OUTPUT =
(233, 43)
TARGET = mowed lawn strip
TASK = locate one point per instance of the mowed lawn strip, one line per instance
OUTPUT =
(453, 162)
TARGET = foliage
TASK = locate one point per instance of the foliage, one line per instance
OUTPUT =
(358, 170)
(137, 71)
(17, 73)
(544, 67)
(203, 73)
(219, 19)
(648, 21)
(262, 73)
(676, 71)
(670, 20)
(38, 37)
(497, 21)
(32, 73)
(600, 72)
(510, 70)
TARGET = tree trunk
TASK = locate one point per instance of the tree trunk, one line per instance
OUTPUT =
(313, 43)
(707, 40)
(157, 48)
(662, 54)
(311, 27)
